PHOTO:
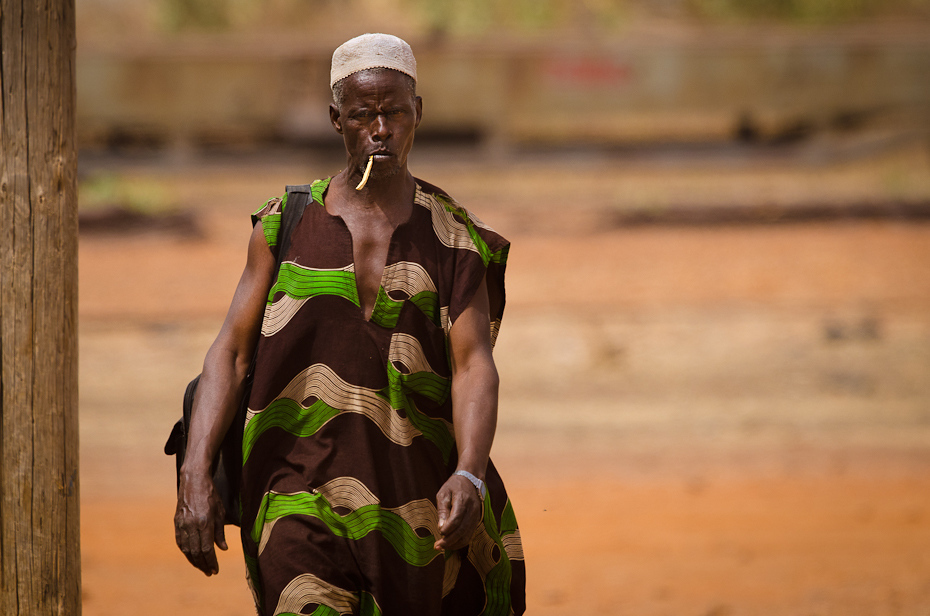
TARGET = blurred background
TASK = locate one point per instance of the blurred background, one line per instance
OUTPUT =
(715, 359)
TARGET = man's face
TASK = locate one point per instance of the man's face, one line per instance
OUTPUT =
(378, 116)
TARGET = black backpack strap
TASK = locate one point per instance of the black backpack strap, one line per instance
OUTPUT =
(298, 197)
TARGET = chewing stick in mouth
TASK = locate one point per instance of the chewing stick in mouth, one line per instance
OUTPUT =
(361, 184)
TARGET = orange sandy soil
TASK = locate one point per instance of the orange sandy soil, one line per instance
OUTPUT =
(821, 545)
(710, 421)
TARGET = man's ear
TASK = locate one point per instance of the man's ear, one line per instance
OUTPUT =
(335, 118)
(419, 107)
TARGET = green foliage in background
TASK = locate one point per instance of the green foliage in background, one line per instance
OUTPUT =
(109, 191)
(194, 14)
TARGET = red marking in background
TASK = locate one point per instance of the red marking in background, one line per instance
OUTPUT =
(588, 72)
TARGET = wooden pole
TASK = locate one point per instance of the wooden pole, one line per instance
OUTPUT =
(40, 567)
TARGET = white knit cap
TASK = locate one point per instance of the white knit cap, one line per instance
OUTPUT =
(372, 51)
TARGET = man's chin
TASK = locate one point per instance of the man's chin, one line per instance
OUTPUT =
(384, 170)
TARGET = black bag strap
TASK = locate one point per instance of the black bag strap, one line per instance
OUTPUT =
(298, 197)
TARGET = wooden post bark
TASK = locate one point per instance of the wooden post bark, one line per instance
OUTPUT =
(40, 567)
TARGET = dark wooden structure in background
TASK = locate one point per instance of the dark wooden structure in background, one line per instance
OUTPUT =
(638, 89)
(40, 566)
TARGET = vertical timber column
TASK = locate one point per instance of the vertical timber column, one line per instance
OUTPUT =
(40, 567)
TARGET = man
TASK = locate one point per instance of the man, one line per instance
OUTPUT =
(366, 483)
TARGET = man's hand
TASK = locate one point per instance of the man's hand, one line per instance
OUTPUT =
(198, 522)
(460, 511)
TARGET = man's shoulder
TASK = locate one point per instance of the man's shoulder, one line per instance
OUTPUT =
(457, 227)
(432, 189)
(434, 198)
(276, 205)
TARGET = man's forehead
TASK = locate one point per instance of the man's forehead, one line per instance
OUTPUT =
(375, 83)
(382, 76)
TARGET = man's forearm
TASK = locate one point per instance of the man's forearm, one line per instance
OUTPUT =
(215, 403)
(474, 415)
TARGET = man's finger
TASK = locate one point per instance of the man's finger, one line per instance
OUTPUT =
(191, 548)
(455, 515)
(180, 535)
(219, 531)
(208, 554)
(458, 537)
(443, 504)
(205, 560)
(469, 516)
(452, 523)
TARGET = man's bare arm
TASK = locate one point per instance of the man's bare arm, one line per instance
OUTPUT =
(199, 516)
(474, 416)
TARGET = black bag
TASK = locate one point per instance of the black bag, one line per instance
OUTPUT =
(228, 463)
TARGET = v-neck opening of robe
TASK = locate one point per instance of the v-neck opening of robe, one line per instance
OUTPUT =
(387, 258)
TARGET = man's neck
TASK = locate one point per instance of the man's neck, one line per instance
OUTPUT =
(391, 195)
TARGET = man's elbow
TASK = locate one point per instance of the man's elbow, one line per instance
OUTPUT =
(243, 362)
(488, 376)
(223, 358)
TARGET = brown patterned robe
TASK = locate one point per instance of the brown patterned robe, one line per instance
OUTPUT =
(349, 433)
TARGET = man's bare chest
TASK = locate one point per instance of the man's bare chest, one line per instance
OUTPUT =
(371, 242)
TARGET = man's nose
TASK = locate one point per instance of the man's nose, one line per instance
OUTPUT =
(380, 130)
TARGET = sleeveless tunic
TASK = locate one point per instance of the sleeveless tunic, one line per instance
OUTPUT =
(349, 432)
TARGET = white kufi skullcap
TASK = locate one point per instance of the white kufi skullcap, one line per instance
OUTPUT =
(372, 51)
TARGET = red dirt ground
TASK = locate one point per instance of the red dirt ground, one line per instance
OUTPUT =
(683, 431)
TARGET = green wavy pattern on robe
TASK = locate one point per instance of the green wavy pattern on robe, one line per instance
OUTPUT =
(318, 188)
(386, 310)
(497, 582)
(415, 550)
(302, 283)
(483, 249)
(508, 519)
(426, 384)
(288, 415)
(272, 222)
(293, 418)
